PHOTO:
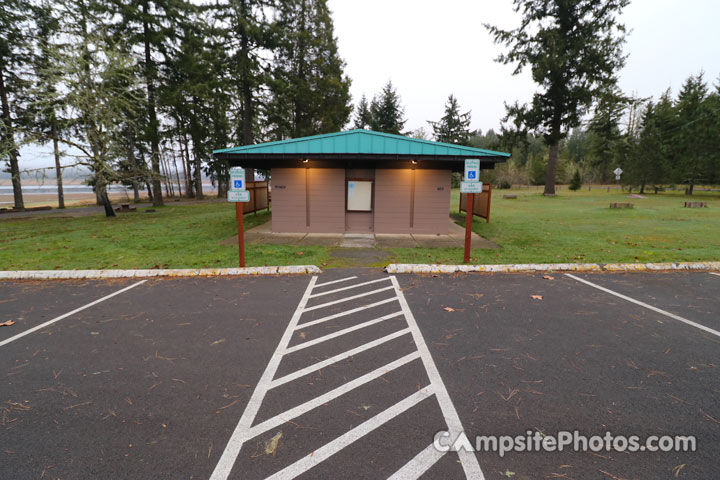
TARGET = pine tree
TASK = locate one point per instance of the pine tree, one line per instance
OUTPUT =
(309, 89)
(694, 136)
(576, 182)
(363, 117)
(604, 129)
(15, 55)
(574, 49)
(147, 26)
(386, 112)
(453, 127)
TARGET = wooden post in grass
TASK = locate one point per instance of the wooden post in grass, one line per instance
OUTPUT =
(470, 201)
(241, 233)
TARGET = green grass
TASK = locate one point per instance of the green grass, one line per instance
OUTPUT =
(572, 227)
(175, 236)
(579, 227)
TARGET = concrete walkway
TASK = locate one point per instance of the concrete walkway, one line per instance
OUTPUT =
(263, 234)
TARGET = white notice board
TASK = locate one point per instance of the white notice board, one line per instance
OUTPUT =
(359, 195)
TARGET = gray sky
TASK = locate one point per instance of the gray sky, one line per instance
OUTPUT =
(431, 48)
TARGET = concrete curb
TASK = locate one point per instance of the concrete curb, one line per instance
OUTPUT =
(553, 267)
(189, 272)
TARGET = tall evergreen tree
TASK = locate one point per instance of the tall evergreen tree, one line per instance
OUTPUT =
(386, 112)
(310, 91)
(694, 137)
(47, 122)
(574, 49)
(604, 129)
(453, 127)
(363, 117)
(149, 27)
(15, 55)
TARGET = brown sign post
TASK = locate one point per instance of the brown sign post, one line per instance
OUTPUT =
(241, 232)
(468, 226)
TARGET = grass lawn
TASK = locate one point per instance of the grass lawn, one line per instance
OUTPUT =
(579, 227)
(572, 227)
(175, 236)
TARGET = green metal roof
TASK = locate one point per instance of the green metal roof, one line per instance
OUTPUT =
(363, 142)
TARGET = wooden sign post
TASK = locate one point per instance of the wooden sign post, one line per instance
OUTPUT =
(468, 225)
(239, 195)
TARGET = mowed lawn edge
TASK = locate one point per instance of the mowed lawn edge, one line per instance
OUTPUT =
(574, 227)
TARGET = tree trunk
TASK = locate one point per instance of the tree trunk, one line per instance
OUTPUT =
(690, 188)
(642, 188)
(58, 170)
(188, 166)
(10, 140)
(177, 174)
(152, 116)
(101, 192)
(198, 176)
(551, 169)
(136, 191)
(247, 114)
(150, 195)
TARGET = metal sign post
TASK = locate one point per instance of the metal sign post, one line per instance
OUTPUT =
(618, 171)
(239, 195)
(471, 185)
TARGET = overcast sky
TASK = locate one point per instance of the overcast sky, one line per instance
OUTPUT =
(431, 48)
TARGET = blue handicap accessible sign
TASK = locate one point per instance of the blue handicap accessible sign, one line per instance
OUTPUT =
(238, 184)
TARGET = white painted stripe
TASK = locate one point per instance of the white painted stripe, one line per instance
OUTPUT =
(240, 434)
(277, 420)
(334, 281)
(420, 464)
(348, 288)
(317, 366)
(467, 459)
(330, 449)
(339, 333)
(173, 272)
(57, 319)
(347, 312)
(346, 299)
(649, 307)
(713, 273)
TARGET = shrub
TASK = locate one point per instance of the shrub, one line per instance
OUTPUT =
(576, 181)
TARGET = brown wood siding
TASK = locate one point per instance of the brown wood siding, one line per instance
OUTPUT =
(432, 201)
(392, 201)
(327, 200)
(288, 199)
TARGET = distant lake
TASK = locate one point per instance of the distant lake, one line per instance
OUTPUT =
(50, 188)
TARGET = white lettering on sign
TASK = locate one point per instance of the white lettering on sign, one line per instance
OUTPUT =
(471, 187)
(237, 178)
(472, 170)
(238, 196)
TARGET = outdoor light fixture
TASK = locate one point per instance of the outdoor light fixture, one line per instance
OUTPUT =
(306, 160)
(414, 162)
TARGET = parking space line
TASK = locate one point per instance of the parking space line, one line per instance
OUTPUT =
(649, 307)
(335, 302)
(331, 448)
(240, 434)
(346, 312)
(339, 333)
(467, 459)
(348, 288)
(57, 319)
(342, 356)
(420, 464)
(335, 281)
(295, 412)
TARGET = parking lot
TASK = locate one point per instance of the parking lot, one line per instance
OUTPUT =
(351, 373)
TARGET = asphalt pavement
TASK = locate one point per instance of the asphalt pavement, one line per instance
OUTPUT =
(352, 373)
